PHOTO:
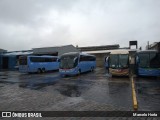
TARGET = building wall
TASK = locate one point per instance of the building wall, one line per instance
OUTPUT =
(9, 60)
(12, 62)
(96, 48)
(155, 47)
(100, 57)
(61, 49)
(132, 62)
(67, 49)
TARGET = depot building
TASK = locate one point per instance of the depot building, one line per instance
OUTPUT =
(9, 60)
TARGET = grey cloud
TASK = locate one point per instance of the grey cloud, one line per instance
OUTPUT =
(39, 23)
(24, 11)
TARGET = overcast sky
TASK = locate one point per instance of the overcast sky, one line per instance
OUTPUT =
(27, 24)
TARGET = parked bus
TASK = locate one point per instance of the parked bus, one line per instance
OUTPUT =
(117, 62)
(74, 63)
(148, 63)
(38, 64)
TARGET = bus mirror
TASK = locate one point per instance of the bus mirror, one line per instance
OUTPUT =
(107, 62)
(106, 59)
(75, 59)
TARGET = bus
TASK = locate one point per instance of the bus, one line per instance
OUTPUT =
(39, 64)
(75, 63)
(117, 62)
(148, 63)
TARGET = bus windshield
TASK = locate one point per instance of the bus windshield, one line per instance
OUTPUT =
(118, 61)
(68, 61)
(154, 60)
(123, 61)
(22, 60)
(149, 60)
(113, 61)
(144, 60)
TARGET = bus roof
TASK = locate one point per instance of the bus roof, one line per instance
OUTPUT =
(43, 56)
(77, 53)
(148, 51)
(120, 51)
(71, 53)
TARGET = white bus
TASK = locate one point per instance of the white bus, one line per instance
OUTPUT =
(118, 62)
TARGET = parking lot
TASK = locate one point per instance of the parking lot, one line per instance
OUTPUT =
(92, 91)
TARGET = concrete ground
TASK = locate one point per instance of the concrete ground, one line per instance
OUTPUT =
(92, 91)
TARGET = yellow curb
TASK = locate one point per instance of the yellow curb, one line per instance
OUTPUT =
(135, 103)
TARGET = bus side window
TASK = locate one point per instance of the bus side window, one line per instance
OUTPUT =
(48, 60)
(81, 58)
(54, 59)
(92, 58)
(87, 58)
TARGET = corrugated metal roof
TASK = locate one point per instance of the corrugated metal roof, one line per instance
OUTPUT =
(120, 51)
(18, 53)
(108, 51)
(96, 52)
(60, 49)
(102, 47)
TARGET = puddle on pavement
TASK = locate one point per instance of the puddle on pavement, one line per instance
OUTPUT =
(70, 91)
(8, 82)
(74, 87)
(3, 78)
(3, 75)
(148, 93)
(39, 83)
(117, 87)
(32, 86)
(148, 86)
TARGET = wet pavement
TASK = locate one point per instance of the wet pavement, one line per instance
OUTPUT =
(92, 91)
(148, 93)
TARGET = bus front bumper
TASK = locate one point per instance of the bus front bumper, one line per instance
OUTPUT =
(119, 72)
(68, 71)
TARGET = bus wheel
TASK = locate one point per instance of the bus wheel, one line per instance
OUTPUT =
(79, 72)
(43, 70)
(92, 69)
(39, 70)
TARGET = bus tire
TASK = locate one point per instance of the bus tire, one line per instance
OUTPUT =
(43, 70)
(79, 71)
(91, 69)
(39, 71)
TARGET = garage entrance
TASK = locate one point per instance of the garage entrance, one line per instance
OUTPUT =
(5, 62)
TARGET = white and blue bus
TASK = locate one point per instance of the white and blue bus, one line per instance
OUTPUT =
(148, 63)
(74, 63)
(39, 64)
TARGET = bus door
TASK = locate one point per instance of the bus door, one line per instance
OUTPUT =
(23, 67)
